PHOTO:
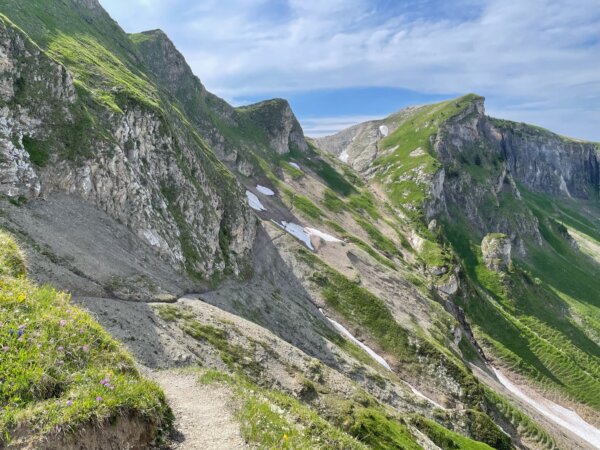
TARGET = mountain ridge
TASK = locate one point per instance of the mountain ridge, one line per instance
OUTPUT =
(130, 185)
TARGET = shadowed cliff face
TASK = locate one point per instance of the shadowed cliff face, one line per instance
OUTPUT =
(546, 162)
(485, 161)
(136, 134)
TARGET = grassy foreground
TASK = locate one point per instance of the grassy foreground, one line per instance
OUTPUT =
(59, 369)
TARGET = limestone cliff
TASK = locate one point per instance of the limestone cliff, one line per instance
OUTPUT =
(142, 165)
(472, 166)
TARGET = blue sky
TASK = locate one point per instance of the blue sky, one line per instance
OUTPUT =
(343, 61)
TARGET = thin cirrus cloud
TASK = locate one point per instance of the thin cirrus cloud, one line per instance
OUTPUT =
(534, 60)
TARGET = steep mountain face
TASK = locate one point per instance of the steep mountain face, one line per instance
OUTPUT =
(233, 134)
(132, 157)
(472, 164)
(373, 289)
(545, 162)
(511, 209)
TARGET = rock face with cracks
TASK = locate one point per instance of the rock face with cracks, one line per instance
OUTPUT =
(496, 249)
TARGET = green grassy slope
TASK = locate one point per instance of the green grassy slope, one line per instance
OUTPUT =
(90, 43)
(400, 165)
(58, 368)
(542, 318)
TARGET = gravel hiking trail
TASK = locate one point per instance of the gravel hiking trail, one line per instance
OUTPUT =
(203, 414)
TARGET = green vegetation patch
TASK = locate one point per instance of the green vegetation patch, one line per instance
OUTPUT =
(520, 316)
(368, 312)
(412, 156)
(381, 243)
(449, 440)
(502, 408)
(294, 172)
(59, 368)
(332, 201)
(313, 160)
(364, 203)
(38, 151)
(303, 204)
(12, 259)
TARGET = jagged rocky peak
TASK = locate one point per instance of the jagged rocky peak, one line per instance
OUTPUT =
(162, 58)
(496, 249)
(276, 118)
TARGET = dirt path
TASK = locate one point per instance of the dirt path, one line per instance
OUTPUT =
(203, 417)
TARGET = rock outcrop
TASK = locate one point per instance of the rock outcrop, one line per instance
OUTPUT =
(496, 249)
(481, 162)
(276, 120)
(358, 145)
(546, 162)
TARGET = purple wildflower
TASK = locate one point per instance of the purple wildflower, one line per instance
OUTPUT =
(98, 399)
(60, 348)
(69, 402)
(5, 348)
(85, 348)
(63, 323)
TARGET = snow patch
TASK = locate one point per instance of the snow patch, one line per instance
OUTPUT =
(326, 237)
(297, 231)
(560, 415)
(254, 202)
(349, 335)
(295, 166)
(384, 130)
(344, 156)
(264, 190)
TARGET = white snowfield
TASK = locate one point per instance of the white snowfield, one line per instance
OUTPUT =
(254, 202)
(383, 129)
(326, 237)
(349, 335)
(560, 415)
(264, 190)
(297, 231)
(295, 165)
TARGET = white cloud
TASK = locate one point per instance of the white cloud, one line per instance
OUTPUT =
(325, 126)
(544, 51)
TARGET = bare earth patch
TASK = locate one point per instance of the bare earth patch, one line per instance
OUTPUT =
(203, 414)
